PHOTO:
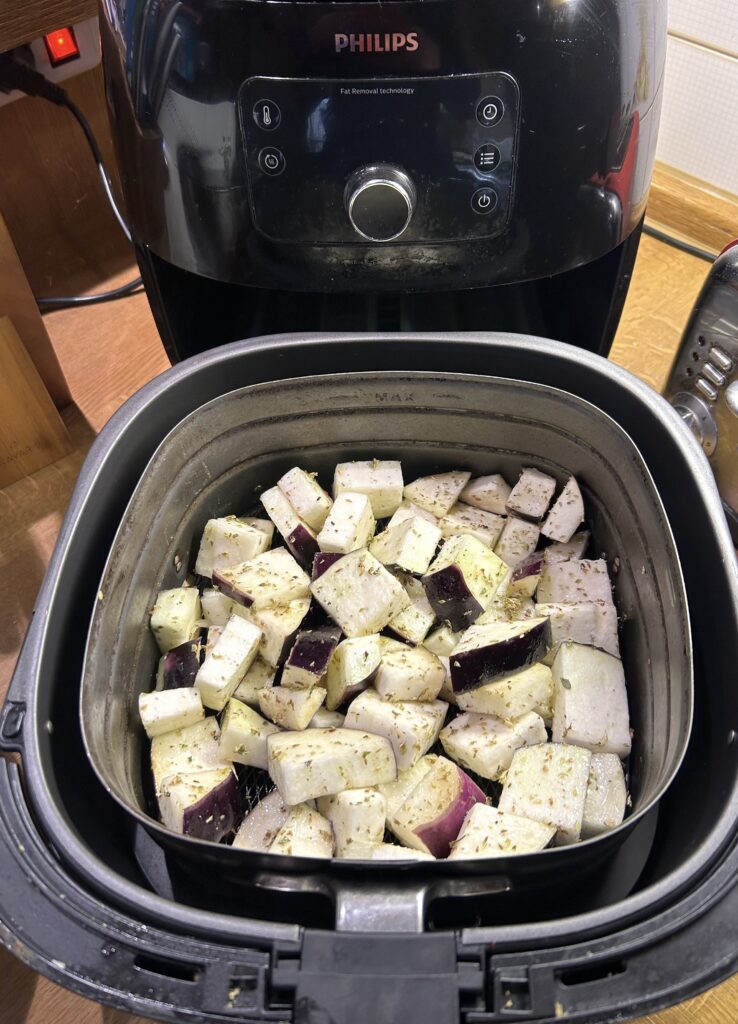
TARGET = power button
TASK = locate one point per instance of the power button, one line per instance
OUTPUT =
(484, 200)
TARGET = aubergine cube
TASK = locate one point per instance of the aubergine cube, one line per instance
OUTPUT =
(485, 526)
(488, 832)
(243, 736)
(323, 560)
(259, 676)
(590, 700)
(164, 710)
(305, 833)
(412, 727)
(526, 576)
(302, 545)
(175, 618)
(350, 524)
(359, 594)
(292, 709)
(531, 689)
(408, 673)
(381, 481)
(228, 661)
(261, 825)
(566, 514)
(548, 783)
(413, 622)
(272, 577)
(604, 806)
(506, 607)
(485, 744)
(487, 492)
(308, 660)
(462, 580)
(352, 668)
(279, 623)
(203, 804)
(229, 541)
(438, 493)
(191, 749)
(358, 818)
(493, 651)
(410, 546)
(181, 665)
(408, 509)
(518, 541)
(592, 622)
(306, 496)
(325, 719)
(574, 581)
(531, 495)
(216, 607)
(574, 548)
(442, 641)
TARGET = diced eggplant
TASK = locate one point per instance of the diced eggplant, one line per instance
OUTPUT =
(447, 689)
(274, 577)
(227, 542)
(216, 607)
(380, 480)
(388, 851)
(359, 594)
(202, 804)
(306, 496)
(309, 658)
(507, 607)
(548, 783)
(396, 793)
(159, 681)
(566, 514)
(591, 622)
(574, 582)
(227, 663)
(526, 576)
(324, 560)
(590, 700)
(352, 668)
(488, 832)
(432, 814)
(214, 633)
(297, 535)
(411, 727)
(279, 623)
(259, 676)
(518, 540)
(191, 749)
(292, 709)
(438, 493)
(165, 710)
(408, 673)
(604, 805)
(408, 509)
(575, 548)
(462, 580)
(175, 618)
(413, 622)
(494, 651)
(305, 833)
(528, 690)
(325, 719)
(486, 745)
(442, 641)
(531, 495)
(260, 826)
(350, 524)
(487, 492)
(358, 819)
(243, 736)
(302, 545)
(465, 519)
(181, 665)
(410, 546)
(319, 762)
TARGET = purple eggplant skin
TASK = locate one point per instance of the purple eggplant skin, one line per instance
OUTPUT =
(450, 598)
(230, 591)
(302, 546)
(181, 665)
(216, 814)
(354, 691)
(531, 566)
(313, 648)
(324, 560)
(471, 669)
(439, 834)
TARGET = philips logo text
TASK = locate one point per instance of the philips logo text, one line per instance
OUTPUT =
(376, 42)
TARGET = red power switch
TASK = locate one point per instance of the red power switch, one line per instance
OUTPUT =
(61, 46)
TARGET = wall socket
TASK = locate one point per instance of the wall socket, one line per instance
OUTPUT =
(87, 35)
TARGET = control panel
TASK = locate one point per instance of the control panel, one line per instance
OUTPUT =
(391, 161)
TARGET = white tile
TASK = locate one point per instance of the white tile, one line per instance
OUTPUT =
(699, 128)
(714, 22)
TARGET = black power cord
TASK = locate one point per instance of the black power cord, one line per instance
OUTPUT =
(14, 74)
(677, 243)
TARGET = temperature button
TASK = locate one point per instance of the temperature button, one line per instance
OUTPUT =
(267, 115)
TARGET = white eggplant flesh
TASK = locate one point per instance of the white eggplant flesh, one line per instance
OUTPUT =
(518, 541)
(526, 576)
(462, 580)
(259, 828)
(486, 745)
(411, 727)
(292, 709)
(508, 608)
(528, 690)
(176, 617)
(496, 650)
(358, 818)
(228, 541)
(325, 719)
(300, 538)
(465, 519)
(408, 509)
(590, 700)
(319, 762)
(575, 582)
(166, 710)
(359, 594)
(217, 608)
(548, 783)
(447, 689)
(413, 622)
(592, 622)
(531, 495)
(488, 832)
(226, 664)
(273, 577)
(566, 515)
(307, 662)
(388, 851)
(604, 806)
(487, 492)
(243, 735)
(259, 676)
(396, 793)
(279, 624)
(409, 673)
(204, 804)
(381, 481)
(306, 496)
(409, 546)
(352, 668)
(575, 548)
(190, 749)
(438, 493)
(442, 641)
(214, 633)
(350, 524)
(305, 833)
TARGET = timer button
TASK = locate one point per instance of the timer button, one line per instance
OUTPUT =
(490, 110)
(267, 115)
(380, 202)
(272, 161)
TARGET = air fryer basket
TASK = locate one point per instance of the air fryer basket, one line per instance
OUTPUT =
(78, 907)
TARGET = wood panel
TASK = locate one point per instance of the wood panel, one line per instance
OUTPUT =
(24, 20)
(691, 209)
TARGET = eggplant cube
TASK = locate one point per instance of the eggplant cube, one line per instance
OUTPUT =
(352, 668)
(297, 535)
(438, 493)
(214, 633)
(566, 514)
(465, 519)
(180, 665)
(226, 542)
(358, 819)
(259, 828)
(395, 793)
(531, 689)
(591, 622)
(487, 492)
(590, 700)
(306, 496)
(506, 607)
(494, 651)
(165, 710)
(217, 608)
(305, 833)
(325, 719)
(279, 624)
(518, 541)
(388, 851)
(548, 783)
(604, 806)
(526, 576)
(243, 736)
(409, 673)
(462, 580)
(409, 546)
(574, 548)
(432, 814)
(292, 709)
(413, 622)
(359, 594)
(442, 641)
(309, 658)
(574, 582)
(488, 832)
(320, 762)
(190, 749)
(324, 560)
(408, 509)
(411, 727)
(349, 526)
(175, 618)
(531, 495)
(225, 666)
(274, 577)
(381, 481)
(259, 676)
(203, 804)
(486, 745)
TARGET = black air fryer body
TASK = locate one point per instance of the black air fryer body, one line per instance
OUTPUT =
(418, 164)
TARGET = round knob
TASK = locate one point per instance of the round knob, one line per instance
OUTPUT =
(380, 202)
(698, 418)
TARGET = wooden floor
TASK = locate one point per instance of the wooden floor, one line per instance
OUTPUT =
(111, 350)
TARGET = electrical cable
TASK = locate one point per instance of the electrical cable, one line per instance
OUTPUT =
(677, 243)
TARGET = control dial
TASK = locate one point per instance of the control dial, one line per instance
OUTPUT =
(380, 202)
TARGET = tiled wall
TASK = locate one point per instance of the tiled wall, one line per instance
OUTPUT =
(699, 121)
